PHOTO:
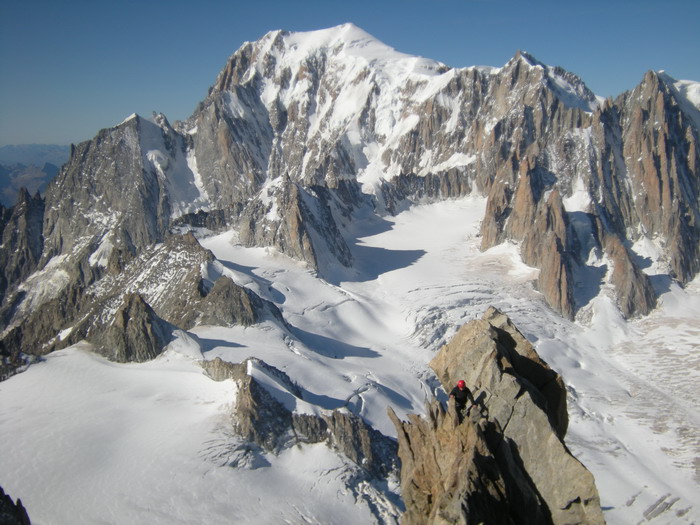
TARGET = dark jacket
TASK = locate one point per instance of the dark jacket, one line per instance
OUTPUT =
(461, 397)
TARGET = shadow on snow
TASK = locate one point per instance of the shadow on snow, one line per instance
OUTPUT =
(331, 348)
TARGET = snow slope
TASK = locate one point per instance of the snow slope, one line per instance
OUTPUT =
(152, 443)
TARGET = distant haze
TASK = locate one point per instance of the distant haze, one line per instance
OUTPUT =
(34, 154)
(30, 166)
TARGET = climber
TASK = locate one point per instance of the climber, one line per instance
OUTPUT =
(461, 395)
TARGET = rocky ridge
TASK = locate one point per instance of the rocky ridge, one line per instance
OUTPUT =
(131, 312)
(21, 239)
(506, 461)
(265, 424)
(527, 136)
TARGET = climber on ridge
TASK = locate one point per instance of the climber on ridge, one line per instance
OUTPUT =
(461, 395)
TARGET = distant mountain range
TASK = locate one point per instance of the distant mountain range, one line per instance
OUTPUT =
(30, 166)
(34, 154)
(16, 176)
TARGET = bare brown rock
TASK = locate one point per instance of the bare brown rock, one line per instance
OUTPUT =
(448, 473)
(516, 452)
(540, 224)
(635, 294)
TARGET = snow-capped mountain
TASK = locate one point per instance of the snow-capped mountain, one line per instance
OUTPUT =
(312, 125)
(313, 146)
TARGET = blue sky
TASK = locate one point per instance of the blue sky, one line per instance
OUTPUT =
(69, 68)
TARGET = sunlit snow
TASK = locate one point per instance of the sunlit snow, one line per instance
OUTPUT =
(90, 441)
(177, 169)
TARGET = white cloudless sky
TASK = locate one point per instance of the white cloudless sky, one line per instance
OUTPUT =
(71, 68)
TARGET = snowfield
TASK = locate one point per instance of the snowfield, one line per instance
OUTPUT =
(90, 441)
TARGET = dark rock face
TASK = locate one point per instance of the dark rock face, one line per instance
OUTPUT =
(12, 513)
(22, 241)
(228, 304)
(507, 464)
(258, 417)
(362, 444)
(136, 334)
(132, 197)
(12, 363)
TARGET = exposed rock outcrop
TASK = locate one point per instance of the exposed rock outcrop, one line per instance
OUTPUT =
(299, 222)
(541, 227)
(528, 136)
(136, 334)
(485, 350)
(510, 466)
(22, 241)
(660, 148)
(449, 475)
(635, 293)
(260, 418)
(109, 184)
(12, 513)
(226, 304)
(178, 284)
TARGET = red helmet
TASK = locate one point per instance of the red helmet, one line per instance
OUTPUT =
(461, 383)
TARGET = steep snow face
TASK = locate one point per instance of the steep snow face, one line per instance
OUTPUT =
(569, 88)
(365, 74)
(687, 93)
(347, 43)
(164, 151)
(339, 103)
(346, 58)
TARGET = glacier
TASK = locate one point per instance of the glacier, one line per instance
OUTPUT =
(151, 442)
